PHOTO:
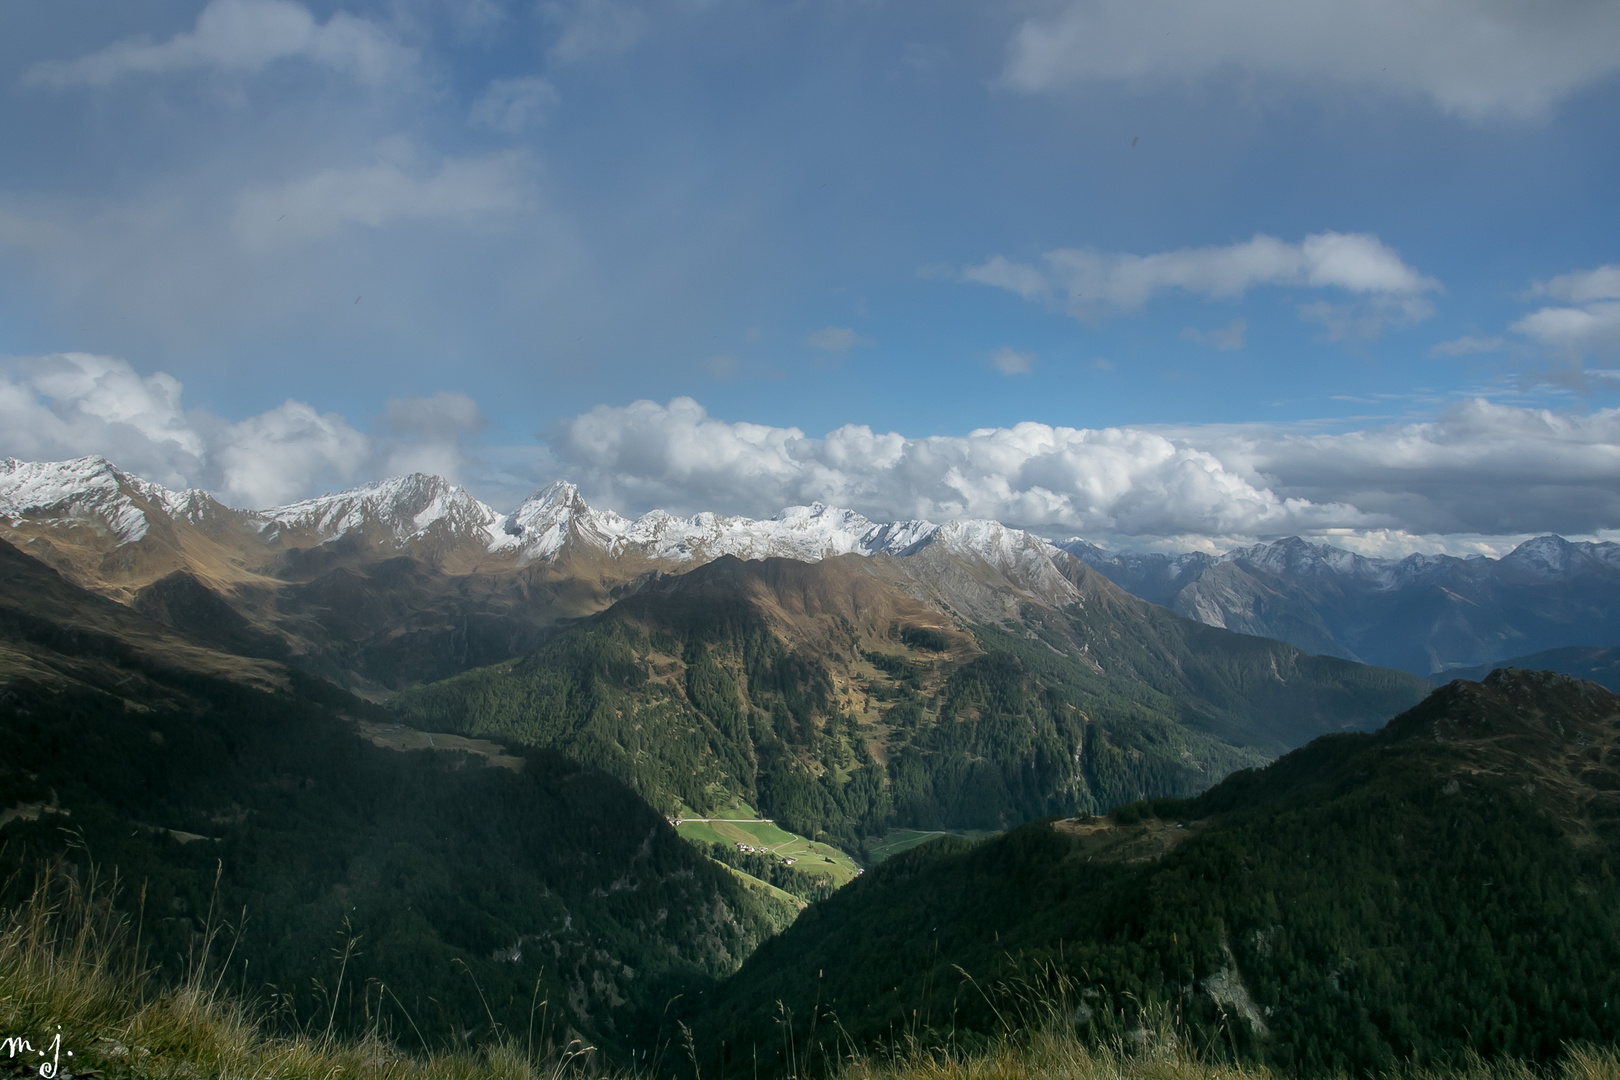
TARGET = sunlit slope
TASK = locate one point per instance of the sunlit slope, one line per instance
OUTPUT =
(850, 696)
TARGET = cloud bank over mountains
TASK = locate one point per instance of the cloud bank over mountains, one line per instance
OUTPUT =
(73, 404)
(1446, 476)
(1380, 489)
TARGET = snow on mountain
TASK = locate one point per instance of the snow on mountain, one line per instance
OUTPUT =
(1021, 556)
(90, 490)
(553, 515)
(1295, 556)
(547, 519)
(403, 508)
(1554, 558)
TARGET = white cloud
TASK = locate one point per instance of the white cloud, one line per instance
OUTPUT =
(1468, 346)
(835, 339)
(72, 404)
(1475, 472)
(1577, 329)
(1477, 468)
(1228, 338)
(1592, 322)
(374, 195)
(1442, 477)
(1001, 272)
(594, 28)
(1099, 284)
(1009, 361)
(1581, 286)
(1472, 58)
(513, 105)
(1113, 480)
(271, 458)
(243, 36)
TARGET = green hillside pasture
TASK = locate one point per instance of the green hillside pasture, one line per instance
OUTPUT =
(807, 855)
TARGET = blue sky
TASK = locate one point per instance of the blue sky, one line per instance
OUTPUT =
(338, 239)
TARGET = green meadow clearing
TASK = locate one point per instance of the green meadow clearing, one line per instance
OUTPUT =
(740, 823)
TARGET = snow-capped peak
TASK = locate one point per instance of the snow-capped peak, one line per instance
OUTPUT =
(405, 511)
(549, 518)
(1555, 557)
(89, 489)
(405, 508)
(1293, 555)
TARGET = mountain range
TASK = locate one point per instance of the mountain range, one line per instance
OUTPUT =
(801, 659)
(1427, 614)
(388, 583)
(466, 732)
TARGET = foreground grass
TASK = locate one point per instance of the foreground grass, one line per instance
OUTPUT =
(71, 985)
(1055, 1053)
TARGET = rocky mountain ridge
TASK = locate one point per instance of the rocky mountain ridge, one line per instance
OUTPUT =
(417, 511)
(1424, 613)
(412, 577)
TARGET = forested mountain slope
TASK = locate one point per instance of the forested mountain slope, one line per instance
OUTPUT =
(859, 693)
(1445, 885)
(230, 791)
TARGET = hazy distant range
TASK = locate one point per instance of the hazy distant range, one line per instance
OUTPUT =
(1434, 615)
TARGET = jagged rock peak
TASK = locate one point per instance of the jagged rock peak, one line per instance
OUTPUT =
(420, 508)
(93, 489)
(404, 507)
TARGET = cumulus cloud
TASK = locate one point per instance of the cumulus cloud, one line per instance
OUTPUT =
(514, 105)
(1472, 58)
(1577, 329)
(270, 459)
(374, 195)
(1478, 468)
(1444, 476)
(1098, 284)
(1228, 338)
(834, 339)
(241, 36)
(1112, 480)
(1591, 321)
(72, 404)
(1009, 361)
(1432, 485)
